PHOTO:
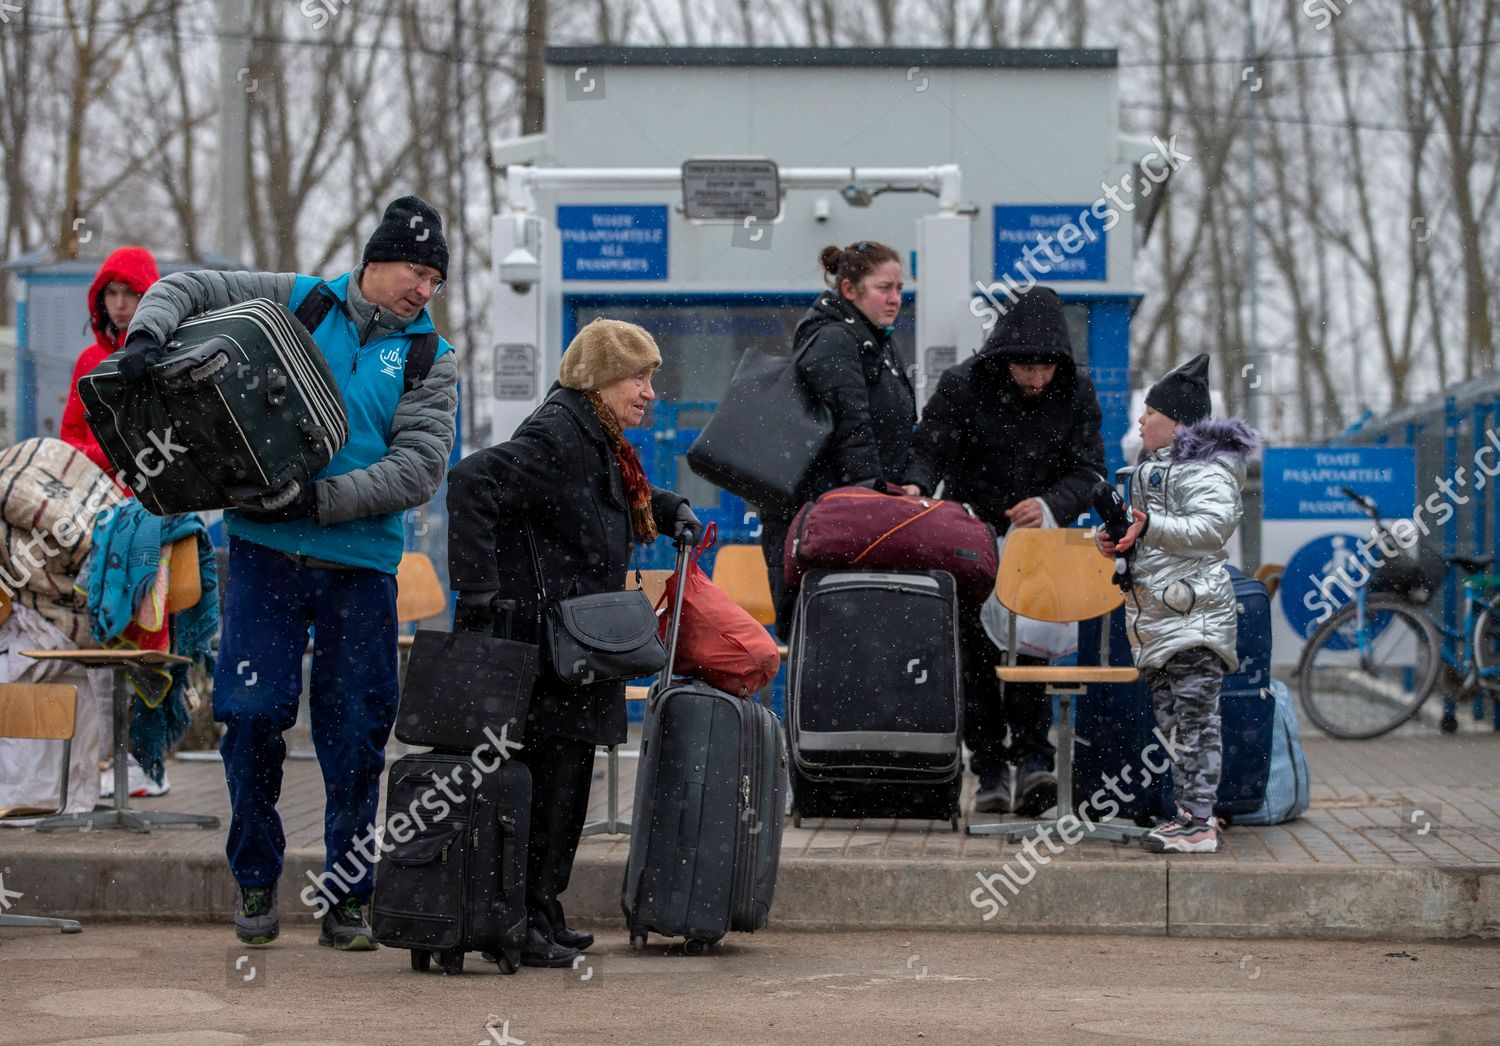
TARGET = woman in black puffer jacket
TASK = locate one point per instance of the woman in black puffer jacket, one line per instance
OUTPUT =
(845, 354)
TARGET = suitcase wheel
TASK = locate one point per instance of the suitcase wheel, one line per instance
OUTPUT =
(695, 947)
(638, 942)
(796, 819)
(954, 822)
(509, 961)
(421, 960)
(452, 961)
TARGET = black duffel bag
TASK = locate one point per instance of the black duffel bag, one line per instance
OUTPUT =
(766, 435)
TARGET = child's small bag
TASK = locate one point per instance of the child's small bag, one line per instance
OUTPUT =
(719, 642)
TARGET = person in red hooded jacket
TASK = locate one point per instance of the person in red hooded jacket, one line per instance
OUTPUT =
(113, 296)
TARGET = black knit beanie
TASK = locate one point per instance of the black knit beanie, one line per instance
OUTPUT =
(1182, 394)
(411, 231)
(1033, 330)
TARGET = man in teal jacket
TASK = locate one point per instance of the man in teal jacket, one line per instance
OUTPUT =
(327, 560)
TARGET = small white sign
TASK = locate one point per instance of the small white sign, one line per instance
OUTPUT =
(731, 190)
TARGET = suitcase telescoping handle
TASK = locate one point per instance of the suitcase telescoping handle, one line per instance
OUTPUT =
(684, 558)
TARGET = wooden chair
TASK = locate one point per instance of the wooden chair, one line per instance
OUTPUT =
(740, 570)
(1058, 575)
(40, 712)
(1269, 575)
(419, 593)
(653, 583)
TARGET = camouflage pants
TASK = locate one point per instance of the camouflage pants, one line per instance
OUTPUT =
(1185, 692)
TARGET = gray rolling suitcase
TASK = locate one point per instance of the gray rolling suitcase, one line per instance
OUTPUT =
(243, 390)
(710, 797)
(875, 696)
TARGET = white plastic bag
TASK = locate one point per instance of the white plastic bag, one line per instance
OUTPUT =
(1046, 639)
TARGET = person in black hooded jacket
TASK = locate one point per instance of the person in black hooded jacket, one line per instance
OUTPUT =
(845, 354)
(1013, 431)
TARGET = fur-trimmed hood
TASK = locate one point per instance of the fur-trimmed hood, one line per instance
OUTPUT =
(1214, 438)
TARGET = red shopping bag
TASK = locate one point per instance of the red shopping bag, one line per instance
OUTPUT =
(719, 642)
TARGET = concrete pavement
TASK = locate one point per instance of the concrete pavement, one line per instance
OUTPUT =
(1403, 837)
(149, 985)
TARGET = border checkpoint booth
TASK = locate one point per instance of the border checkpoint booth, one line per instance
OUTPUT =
(960, 159)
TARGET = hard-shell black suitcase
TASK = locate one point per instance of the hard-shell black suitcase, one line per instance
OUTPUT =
(240, 402)
(454, 880)
(710, 797)
(875, 696)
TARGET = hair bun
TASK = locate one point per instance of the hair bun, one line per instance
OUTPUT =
(829, 257)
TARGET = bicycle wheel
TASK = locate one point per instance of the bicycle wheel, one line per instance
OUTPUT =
(1360, 682)
(1486, 646)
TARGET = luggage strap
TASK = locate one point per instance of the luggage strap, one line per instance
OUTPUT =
(420, 354)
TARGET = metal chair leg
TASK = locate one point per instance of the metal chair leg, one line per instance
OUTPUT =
(120, 815)
(65, 925)
(612, 824)
(1015, 830)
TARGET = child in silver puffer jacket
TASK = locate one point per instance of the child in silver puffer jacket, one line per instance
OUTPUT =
(1180, 613)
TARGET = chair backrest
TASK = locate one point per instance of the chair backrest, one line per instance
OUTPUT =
(38, 711)
(419, 593)
(653, 583)
(1055, 575)
(740, 570)
(184, 575)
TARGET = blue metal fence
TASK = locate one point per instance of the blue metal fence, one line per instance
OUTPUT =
(1449, 433)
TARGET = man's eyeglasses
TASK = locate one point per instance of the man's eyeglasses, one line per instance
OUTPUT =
(437, 283)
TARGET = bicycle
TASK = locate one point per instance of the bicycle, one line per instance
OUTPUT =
(1370, 666)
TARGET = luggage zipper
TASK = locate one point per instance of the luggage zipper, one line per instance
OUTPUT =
(443, 857)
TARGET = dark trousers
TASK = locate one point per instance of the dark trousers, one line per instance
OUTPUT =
(562, 769)
(773, 533)
(271, 602)
(1023, 711)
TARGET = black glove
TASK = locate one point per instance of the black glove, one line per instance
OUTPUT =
(304, 504)
(473, 612)
(141, 351)
(686, 527)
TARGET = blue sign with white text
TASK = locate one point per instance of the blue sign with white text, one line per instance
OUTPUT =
(1050, 242)
(1308, 482)
(613, 242)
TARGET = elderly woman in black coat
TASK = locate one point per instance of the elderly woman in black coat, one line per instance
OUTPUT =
(844, 353)
(569, 476)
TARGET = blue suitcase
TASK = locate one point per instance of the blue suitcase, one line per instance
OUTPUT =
(1114, 724)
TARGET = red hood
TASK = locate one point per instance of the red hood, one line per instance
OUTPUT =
(132, 265)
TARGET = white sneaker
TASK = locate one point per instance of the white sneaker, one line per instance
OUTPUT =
(140, 785)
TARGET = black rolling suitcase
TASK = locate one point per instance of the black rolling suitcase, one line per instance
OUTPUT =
(710, 796)
(1114, 723)
(244, 389)
(875, 696)
(455, 879)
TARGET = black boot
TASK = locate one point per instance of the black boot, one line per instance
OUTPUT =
(1036, 787)
(541, 950)
(580, 940)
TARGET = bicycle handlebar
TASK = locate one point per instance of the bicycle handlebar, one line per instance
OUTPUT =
(1370, 508)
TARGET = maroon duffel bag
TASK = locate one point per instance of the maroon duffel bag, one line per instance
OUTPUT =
(859, 528)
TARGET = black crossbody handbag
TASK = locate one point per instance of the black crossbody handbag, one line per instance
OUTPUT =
(598, 638)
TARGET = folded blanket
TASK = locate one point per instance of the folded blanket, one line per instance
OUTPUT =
(124, 565)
